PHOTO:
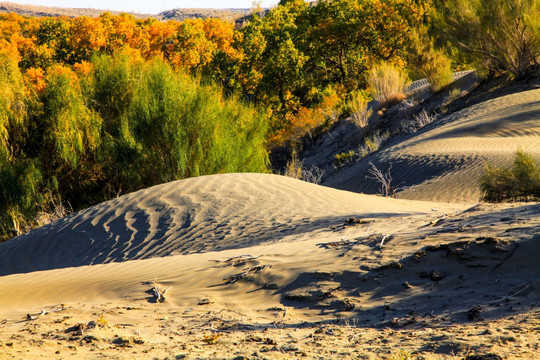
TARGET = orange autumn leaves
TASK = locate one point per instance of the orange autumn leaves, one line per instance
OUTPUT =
(288, 62)
(40, 42)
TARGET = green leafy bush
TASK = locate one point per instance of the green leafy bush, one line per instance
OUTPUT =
(504, 33)
(343, 158)
(437, 68)
(127, 124)
(358, 108)
(162, 125)
(520, 183)
(372, 143)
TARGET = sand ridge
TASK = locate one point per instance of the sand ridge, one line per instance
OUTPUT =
(462, 275)
(443, 161)
(194, 215)
(264, 266)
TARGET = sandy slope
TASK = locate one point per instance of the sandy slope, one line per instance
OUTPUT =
(194, 215)
(277, 269)
(444, 160)
(263, 266)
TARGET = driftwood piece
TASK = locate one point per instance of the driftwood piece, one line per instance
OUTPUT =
(235, 260)
(43, 312)
(159, 293)
(251, 270)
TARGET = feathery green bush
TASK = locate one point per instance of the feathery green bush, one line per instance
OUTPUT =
(520, 183)
(125, 125)
(504, 33)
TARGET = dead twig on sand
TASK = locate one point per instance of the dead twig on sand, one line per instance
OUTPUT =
(235, 260)
(231, 310)
(43, 312)
(513, 291)
(354, 336)
(506, 258)
(385, 179)
(226, 324)
(382, 240)
(523, 287)
(159, 293)
(216, 330)
(252, 270)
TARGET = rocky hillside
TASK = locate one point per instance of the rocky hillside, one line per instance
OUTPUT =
(174, 14)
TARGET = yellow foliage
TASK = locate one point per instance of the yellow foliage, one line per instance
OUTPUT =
(62, 70)
(83, 68)
(88, 36)
(35, 77)
(10, 24)
(211, 339)
(101, 321)
(222, 34)
(387, 83)
(191, 48)
(11, 49)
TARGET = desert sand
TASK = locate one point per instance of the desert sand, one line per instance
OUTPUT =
(263, 266)
(443, 161)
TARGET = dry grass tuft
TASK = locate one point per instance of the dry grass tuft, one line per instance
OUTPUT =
(387, 84)
(360, 112)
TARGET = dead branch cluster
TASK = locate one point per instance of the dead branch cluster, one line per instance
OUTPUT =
(249, 271)
(384, 179)
(44, 312)
(241, 259)
(159, 293)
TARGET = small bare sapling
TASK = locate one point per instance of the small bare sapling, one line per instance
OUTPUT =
(385, 179)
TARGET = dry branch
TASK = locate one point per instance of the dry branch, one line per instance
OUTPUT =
(159, 294)
(235, 260)
(385, 179)
(234, 278)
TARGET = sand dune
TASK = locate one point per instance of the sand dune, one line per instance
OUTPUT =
(264, 266)
(444, 160)
(195, 215)
(399, 269)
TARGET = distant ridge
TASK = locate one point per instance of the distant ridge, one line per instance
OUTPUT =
(174, 14)
(45, 11)
(183, 14)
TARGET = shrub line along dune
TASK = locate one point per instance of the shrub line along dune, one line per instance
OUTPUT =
(125, 125)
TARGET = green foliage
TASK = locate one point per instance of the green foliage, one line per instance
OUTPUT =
(126, 125)
(203, 136)
(199, 131)
(297, 51)
(211, 339)
(17, 178)
(349, 37)
(521, 182)
(275, 59)
(343, 158)
(64, 135)
(357, 107)
(68, 127)
(426, 61)
(372, 143)
(438, 70)
(54, 33)
(111, 85)
(12, 105)
(402, 355)
(504, 33)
